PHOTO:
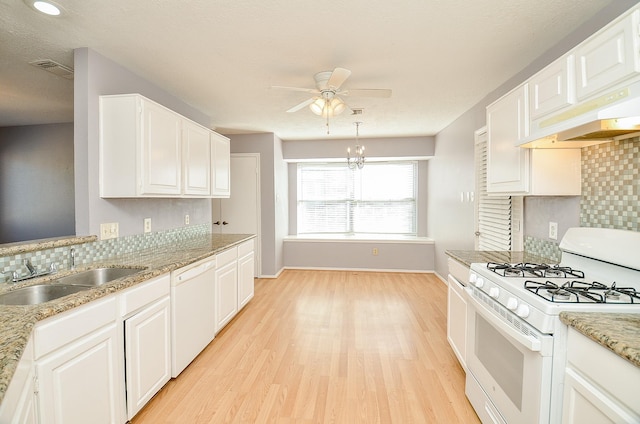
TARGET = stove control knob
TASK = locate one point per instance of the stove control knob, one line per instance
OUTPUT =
(494, 292)
(522, 311)
(479, 282)
(472, 278)
(512, 304)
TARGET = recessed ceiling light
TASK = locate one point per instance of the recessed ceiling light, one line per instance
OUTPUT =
(46, 7)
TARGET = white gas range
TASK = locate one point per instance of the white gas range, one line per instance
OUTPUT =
(516, 343)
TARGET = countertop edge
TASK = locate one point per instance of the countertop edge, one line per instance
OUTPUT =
(620, 333)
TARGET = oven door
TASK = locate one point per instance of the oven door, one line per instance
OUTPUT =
(509, 364)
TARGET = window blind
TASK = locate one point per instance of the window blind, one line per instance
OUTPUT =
(493, 213)
(377, 199)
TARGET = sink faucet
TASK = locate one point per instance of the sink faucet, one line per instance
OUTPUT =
(72, 258)
(31, 268)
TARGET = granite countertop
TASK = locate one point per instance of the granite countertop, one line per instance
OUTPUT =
(17, 322)
(617, 332)
(468, 257)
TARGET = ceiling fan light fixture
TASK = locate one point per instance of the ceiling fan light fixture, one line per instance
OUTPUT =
(46, 7)
(337, 106)
(317, 106)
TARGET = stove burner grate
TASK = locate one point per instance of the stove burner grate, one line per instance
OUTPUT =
(583, 292)
(534, 270)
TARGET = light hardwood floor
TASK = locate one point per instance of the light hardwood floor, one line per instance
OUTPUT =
(326, 347)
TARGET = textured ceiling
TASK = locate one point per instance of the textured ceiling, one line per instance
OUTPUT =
(439, 57)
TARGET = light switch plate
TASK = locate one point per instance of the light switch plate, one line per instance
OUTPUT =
(108, 230)
(553, 230)
(147, 225)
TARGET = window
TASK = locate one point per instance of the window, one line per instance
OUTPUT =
(377, 199)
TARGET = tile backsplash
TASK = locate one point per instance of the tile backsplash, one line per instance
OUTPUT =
(97, 251)
(611, 185)
(610, 192)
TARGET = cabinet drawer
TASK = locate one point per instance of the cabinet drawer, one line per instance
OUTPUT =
(245, 248)
(143, 294)
(64, 328)
(459, 270)
(227, 257)
(619, 378)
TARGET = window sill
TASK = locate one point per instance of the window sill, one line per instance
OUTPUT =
(378, 238)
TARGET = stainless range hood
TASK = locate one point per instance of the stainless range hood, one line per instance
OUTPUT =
(613, 116)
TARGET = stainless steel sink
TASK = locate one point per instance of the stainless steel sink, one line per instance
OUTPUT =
(96, 277)
(40, 293)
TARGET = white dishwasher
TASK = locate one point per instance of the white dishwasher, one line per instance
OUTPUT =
(193, 315)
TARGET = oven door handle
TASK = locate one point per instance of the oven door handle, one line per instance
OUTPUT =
(530, 343)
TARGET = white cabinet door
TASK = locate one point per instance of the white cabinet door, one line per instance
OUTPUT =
(507, 124)
(196, 146)
(553, 88)
(598, 394)
(226, 289)
(147, 354)
(609, 57)
(82, 382)
(220, 162)
(245, 273)
(161, 150)
(457, 320)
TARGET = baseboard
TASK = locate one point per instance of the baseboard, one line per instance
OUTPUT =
(412, 271)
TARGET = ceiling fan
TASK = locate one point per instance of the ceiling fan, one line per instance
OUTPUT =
(327, 100)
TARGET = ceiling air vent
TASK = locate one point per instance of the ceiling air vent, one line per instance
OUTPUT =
(53, 67)
(357, 111)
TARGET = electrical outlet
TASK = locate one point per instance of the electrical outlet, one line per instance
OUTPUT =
(553, 230)
(186, 219)
(374, 252)
(108, 230)
(147, 225)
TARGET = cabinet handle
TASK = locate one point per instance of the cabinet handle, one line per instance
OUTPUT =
(224, 223)
(216, 223)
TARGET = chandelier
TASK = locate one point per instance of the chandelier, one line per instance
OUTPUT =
(358, 160)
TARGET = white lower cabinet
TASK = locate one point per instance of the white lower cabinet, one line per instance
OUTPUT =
(600, 387)
(226, 287)
(79, 366)
(19, 403)
(457, 311)
(246, 268)
(147, 338)
(82, 382)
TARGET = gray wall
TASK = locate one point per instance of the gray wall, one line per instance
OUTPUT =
(36, 182)
(352, 255)
(392, 256)
(96, 75)
(451, 224)
(379, 148)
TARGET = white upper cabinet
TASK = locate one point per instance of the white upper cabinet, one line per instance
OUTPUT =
(221, 161)
(609, 57)
(517, 171)
(161, 155)
(197, 159)
(507, 124)
(553, 88)
(147, 150)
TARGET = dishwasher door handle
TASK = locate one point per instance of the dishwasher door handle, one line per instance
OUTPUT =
(194, 272)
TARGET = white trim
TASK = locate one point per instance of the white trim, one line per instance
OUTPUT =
(406, 271)
(443, 280)
(374, 238)
(369, 159)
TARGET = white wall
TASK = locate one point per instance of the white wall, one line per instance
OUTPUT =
(96, 75)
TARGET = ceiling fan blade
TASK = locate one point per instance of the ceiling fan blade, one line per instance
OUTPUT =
(301, 105)
(367, 92)
(305, 90)
(338, 77)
